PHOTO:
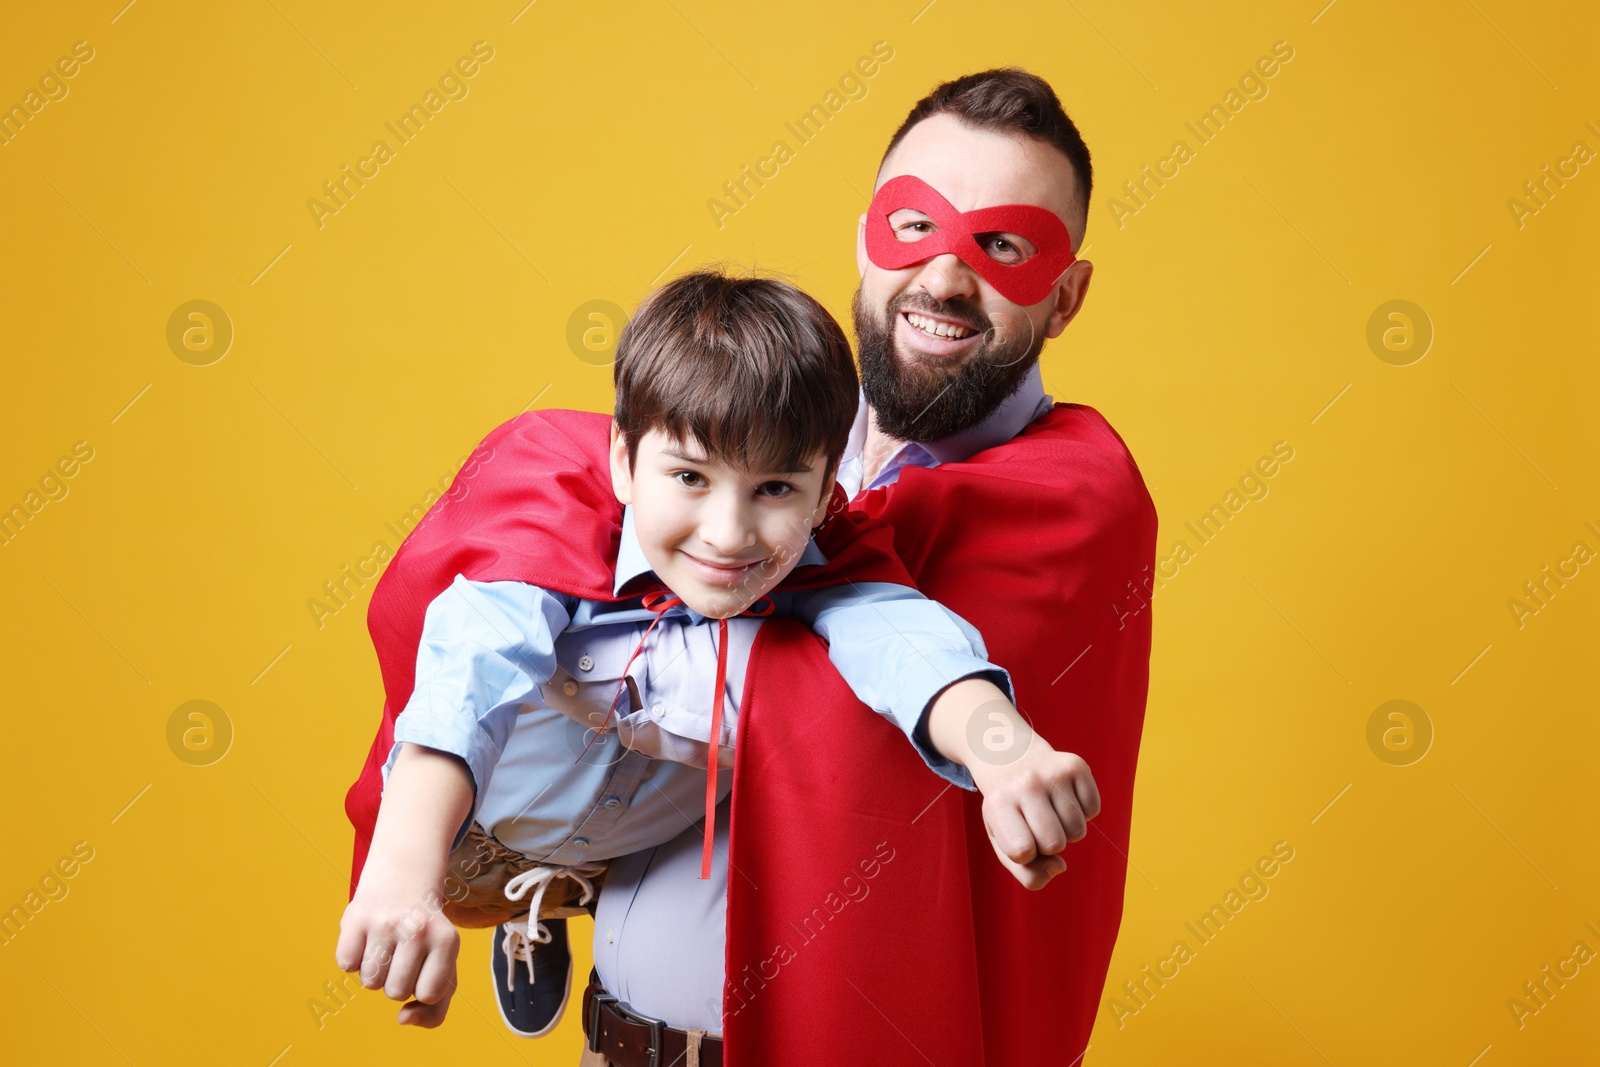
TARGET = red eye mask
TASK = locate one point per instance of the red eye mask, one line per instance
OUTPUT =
(1024, 283)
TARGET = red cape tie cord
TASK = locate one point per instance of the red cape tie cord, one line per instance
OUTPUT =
(660, 601)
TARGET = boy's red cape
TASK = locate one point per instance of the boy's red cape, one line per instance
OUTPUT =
(868, 919)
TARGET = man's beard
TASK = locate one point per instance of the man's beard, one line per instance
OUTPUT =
(921, 401)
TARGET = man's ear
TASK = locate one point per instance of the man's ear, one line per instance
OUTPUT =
(1070, 295)
(621, 474)
(861, 245)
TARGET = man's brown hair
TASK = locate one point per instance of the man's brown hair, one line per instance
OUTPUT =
(754, 370)
(1008, 100)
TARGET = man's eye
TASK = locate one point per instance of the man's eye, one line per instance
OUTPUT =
(1003, 250)
(1005, 247)
(914, 231)
(776, 489)
(689, 479)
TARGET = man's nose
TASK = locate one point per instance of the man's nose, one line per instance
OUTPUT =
(946, 277)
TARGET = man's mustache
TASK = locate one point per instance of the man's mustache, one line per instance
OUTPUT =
(969, 317)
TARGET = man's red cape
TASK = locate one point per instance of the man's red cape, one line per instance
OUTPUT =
(868, 919)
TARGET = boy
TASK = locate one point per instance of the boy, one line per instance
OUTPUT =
(734, 400)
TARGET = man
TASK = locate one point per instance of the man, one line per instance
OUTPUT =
(1029, 520)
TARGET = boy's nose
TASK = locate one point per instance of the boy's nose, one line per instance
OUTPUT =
(726, 529)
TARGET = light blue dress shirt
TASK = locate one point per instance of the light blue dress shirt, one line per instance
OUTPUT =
(659, 931)
(513, 679)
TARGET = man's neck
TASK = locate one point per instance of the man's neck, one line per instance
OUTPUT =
(876, 449)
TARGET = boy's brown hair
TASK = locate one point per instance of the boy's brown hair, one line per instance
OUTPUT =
(752, 369)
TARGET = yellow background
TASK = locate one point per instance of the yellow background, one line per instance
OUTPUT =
(1224, 316)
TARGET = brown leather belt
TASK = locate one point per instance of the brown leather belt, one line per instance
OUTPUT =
(630, 1040)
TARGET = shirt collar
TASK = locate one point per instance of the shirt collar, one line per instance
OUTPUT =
(1009, 418)
(631, 561)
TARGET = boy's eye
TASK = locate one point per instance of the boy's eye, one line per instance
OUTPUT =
(689, 479)
(776, 489)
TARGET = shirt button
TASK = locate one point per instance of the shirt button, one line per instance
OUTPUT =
(586, 663)
(613, 802)
(655, 709)
(611, 937)
(571, 689)
(580, 842)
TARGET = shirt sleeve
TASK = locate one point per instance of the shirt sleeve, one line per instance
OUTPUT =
(898, 651)
(486, 649)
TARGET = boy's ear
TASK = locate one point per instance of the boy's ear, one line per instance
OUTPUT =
(621, 474)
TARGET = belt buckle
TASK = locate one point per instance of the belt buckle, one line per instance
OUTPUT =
(655, 1025)
(594, 1018)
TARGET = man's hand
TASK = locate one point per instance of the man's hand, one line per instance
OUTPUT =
(1035, 800)
(395, 931)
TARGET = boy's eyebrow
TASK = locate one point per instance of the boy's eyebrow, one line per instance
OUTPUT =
(675, 454)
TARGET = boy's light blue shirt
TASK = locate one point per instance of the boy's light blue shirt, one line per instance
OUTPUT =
(513, 676)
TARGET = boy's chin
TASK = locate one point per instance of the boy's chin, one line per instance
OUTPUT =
(716, 603)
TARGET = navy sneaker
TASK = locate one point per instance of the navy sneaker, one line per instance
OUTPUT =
(532, 980)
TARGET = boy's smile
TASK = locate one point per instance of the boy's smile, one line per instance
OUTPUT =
(718, 536)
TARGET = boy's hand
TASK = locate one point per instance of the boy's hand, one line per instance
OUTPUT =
(1034, 806)
(394, 930)
(1035, 800)
(396, 935)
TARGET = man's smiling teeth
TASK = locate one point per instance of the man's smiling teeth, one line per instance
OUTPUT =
(937, 328)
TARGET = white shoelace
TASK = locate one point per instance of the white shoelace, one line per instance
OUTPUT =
(521, 938)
